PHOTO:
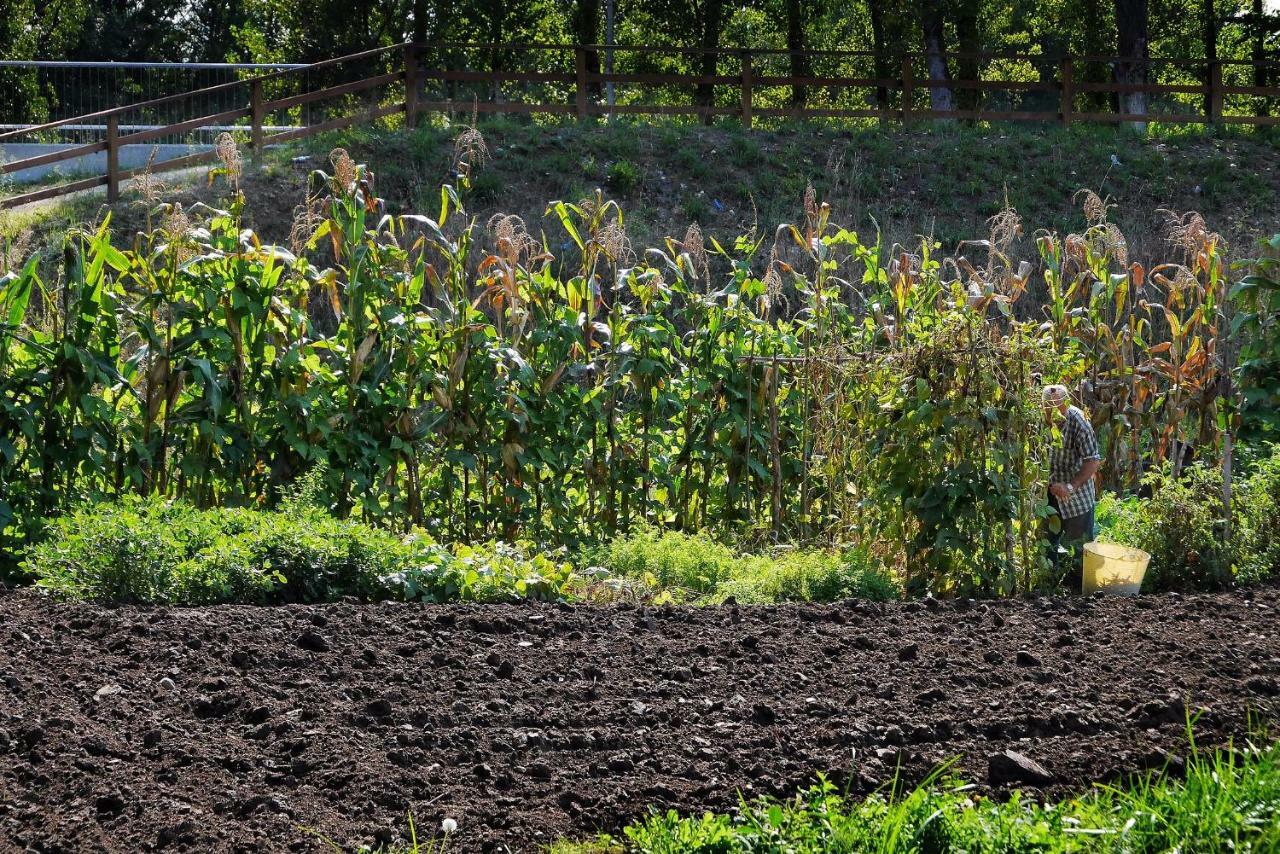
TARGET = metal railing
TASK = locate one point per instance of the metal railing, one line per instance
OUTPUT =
(753, 86)
(54, 90)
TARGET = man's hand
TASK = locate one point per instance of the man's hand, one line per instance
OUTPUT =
(1060, 491)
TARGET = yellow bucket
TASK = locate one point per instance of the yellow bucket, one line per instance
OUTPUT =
(1113, 569)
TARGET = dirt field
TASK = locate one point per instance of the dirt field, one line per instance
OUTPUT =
(233, 728)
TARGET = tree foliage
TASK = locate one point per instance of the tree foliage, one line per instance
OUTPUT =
(295, 31)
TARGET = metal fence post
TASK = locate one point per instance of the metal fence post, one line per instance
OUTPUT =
(1068, 91)
(746, 89)
(410, 86)
(113, 158)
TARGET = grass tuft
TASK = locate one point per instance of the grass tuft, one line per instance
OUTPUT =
(1228, 801)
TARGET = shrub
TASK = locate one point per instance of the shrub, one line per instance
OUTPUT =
(1181, 526)
(744, 151)
(688, 566)
(809, 576)
(668, 559)
(1120, 519)
(623, 177)
(1257, 522)
(695, 208)
(487, 186)
(171, 553)
(496, 572)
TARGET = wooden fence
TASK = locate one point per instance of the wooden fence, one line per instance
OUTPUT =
(568, 81)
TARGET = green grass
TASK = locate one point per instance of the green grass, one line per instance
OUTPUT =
(944, 179)
(1228, 801)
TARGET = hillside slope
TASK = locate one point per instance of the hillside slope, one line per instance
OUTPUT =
(939, 180)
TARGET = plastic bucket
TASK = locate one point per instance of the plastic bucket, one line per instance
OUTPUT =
(1113, 569)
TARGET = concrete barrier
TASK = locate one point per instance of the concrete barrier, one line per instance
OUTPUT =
(131, 157)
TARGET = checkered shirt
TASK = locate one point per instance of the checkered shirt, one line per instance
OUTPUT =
(1079, 445)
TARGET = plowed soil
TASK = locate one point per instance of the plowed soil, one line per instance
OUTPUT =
(234, 728)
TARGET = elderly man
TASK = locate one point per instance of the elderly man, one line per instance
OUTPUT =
(1073, 462)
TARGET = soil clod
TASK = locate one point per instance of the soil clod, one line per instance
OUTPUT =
(1011, 767)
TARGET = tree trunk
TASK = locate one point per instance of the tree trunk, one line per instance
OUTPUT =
(1096, 43)
(420, 15)
(880, 45)
(712, 19)
(1131, 44)
(1210, 31)
(795, 43)
(933, 26)
(969, 35)
(586, 30)
(1260, 50)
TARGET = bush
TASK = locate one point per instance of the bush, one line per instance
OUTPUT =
(496, 572)
(809, 576)
(668, 559)
(623, 177)
(1181, 526)
(487, 186)
(696, 567)
(171, 553)
(1257, 525)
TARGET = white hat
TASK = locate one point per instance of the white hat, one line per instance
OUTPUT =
(1054, 394)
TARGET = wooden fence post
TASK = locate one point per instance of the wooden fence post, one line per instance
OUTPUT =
(257, 113)
(1068, 91)
(580, 64)
(746, 89)
(1215, 92)
(113, 158)
(410, 86)
(908, 94)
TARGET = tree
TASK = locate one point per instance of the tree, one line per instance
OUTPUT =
(710, 21)
(34, 30)
(969, 16)
(139, 31)
(933, 31)
(1133, 49)
(1260, 32)
(1210, 13)
(585, 27)
(880, 44)
(800, 66)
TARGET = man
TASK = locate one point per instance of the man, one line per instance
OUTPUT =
(1072, 464)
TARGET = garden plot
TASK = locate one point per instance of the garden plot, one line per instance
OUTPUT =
(240, 728)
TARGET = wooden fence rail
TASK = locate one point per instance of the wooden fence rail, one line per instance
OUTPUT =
(411, 79)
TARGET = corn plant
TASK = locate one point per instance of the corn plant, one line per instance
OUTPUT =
(467, 378)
